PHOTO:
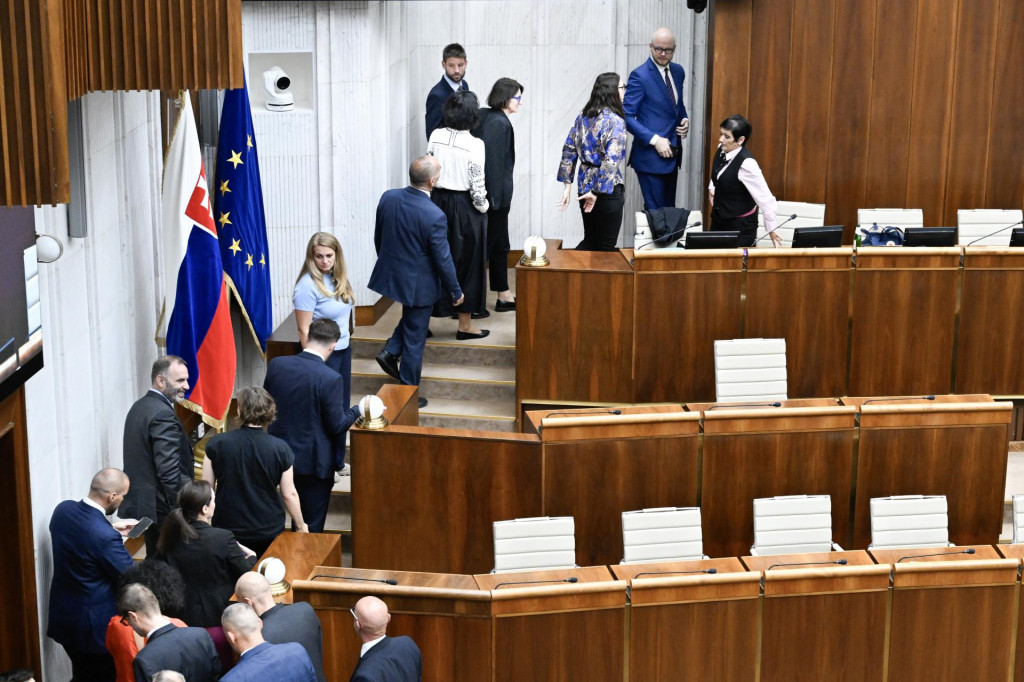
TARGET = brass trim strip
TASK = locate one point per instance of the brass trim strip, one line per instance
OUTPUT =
(888, 634)
(760, 637)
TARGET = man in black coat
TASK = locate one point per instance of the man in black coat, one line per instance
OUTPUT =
(453, 59)
(189, 651)
(395, 659)
(283, 623)
(157, 453)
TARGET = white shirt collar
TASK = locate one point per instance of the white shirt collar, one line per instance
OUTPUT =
(92, 503)
(729, 156)
(314, 354)
(369, 645)
(452, 84)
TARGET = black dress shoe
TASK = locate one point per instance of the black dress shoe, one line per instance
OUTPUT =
(423, 403)
(430, 334)
(475, 316)
(463, 336)
(388, 363)
(504, 306)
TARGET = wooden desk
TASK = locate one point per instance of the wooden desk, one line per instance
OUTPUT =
(842, 609)
(953, 616)
(749, 454)
(558, 632)
(301, 553)
(285, 339)
(1016, 552)
(953, 446)
(718, 614)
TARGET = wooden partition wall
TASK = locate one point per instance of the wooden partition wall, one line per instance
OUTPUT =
(876, 103)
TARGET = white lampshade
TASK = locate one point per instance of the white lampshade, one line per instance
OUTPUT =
(372, 406)
(272, 569)
(534, 242)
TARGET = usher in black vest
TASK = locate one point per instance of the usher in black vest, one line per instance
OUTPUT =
(731, 197)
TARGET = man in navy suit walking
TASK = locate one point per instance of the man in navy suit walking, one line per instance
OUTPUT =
(312, 417)
(414, 267)
(392, 659)
(88, 558)
(453, 60)
(258, 660)
(656, 116)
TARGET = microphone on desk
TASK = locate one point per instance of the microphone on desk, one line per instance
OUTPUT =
(709, 571)
(886, 400)
(731, 405)
(992, 234)
(386, 581)
(767, 234)
(537, 582)
(666, 237)
(840, 562)
(922, 556)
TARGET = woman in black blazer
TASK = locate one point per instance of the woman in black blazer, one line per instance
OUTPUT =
(495, 130)
(209, 559)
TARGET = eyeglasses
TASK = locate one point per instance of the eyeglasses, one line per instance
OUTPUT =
(124, 621)
(518, 98)
(353, 612)
(663, 50)
(622, 87)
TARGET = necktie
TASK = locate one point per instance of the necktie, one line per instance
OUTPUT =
(721, 156)
(668, 84)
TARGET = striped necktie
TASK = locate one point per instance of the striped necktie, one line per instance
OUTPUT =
(668, 84)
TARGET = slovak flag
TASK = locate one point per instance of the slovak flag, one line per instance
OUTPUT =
(198, 322)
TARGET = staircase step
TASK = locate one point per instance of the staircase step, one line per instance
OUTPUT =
(444, 349)
(460, 382)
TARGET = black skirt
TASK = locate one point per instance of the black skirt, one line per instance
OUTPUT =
(467, 239)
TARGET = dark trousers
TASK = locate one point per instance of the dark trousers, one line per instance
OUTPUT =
(408, 341)
(658, 189)
(497, 249)
(746, 226)
(87, 667)
(314, 499)
(601, 226)
(341, 362)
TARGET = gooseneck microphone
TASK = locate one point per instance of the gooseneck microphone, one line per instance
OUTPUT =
(728, 406)
(667, 237)
(992, 234)
(766, 234)
(840, 562)
(887, 400)
(709, 571)
(573, 414)
(922, 556)
(386, 581)
(574, 579)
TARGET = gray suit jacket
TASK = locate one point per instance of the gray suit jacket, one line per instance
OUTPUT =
(299, 623)
(157, 458)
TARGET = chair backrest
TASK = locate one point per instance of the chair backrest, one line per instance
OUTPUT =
(909, 521)
(792, 524)
(662, 534)
(974, 224)
(750, 369)
(643, 232)
(897, 217)
(1018, 519)
(807, 215)
(534, 544)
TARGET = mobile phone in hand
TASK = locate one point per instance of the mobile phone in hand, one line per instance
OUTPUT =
(139, 528)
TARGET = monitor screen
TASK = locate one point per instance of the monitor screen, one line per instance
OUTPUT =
(929, 236)
(1017, 237)
(812, 237)
(712, 240)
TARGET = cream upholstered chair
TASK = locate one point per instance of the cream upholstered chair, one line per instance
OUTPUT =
(534, 544)
(1018, 519)
(807, 215)
(977, 224)
(883, 217)
(662, 534)
(643, 239)
(909, 521)
(750, 369)
(793, 524)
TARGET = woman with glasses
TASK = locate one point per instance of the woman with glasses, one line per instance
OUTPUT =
(598, 141)
(499, 143)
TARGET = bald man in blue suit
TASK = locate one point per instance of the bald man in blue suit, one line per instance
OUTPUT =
(258, 660)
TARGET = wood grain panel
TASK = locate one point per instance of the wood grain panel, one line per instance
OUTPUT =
(595, 481)
(741, 467)
(770, 68)
(966, 464)
(425, 500)
(990, 333)
(1005, 186)
(806, 304)
(583, 645)
(850, 113)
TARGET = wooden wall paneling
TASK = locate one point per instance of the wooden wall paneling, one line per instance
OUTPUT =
(809, 102)
(770, 65)
(849, 128)
(12, 80)
(576, 645)
(888, 142)
(971, 103)
(931, 111)
(1005, 185)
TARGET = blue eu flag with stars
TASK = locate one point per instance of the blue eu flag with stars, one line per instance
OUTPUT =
(238, 210)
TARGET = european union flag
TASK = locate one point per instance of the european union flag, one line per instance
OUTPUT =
(238, 210)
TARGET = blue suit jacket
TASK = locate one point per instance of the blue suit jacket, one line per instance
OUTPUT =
(311, 415)
(393, 659)
(276, 662)
(436, 98)
(649, 112)
(88, 558)
(414, 264)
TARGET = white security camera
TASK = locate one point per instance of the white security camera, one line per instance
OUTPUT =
(276, 82)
